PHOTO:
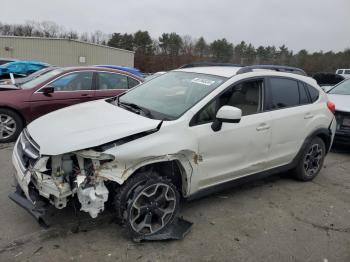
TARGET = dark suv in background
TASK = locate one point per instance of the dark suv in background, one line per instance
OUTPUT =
(57, 89)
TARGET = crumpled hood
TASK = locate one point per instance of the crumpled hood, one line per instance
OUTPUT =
(85, 125)
(342, 102)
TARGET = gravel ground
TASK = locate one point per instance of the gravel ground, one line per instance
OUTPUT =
(275, 219)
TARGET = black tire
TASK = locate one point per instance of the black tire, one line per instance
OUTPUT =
(132, 193)
(311, 161)
(17, 125)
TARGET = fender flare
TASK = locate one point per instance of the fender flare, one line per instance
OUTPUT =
(324, 133)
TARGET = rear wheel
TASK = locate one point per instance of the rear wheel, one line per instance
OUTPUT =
(147, 204)
(11, 125)
(311, 161)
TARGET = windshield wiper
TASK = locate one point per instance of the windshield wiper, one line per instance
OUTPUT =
(135, 108)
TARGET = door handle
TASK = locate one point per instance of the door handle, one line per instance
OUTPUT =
(85, 95)
(263, 127)
(308, 116)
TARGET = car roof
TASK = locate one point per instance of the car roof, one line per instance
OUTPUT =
(94, 68)
(131, 70)
(225, 71)
(230, 71)
(28, 62)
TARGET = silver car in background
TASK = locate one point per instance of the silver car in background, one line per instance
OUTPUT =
(340, 96)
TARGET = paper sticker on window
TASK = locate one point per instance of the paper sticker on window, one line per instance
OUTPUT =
(203, 81)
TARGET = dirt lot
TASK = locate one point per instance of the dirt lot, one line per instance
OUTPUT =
(276, 219)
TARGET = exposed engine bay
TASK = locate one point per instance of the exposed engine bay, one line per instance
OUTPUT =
(68, 175)
(59, 178)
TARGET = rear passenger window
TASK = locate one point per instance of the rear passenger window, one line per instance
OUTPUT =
(284, 93)
(304, 99)
(132, 82)
(111, 81)
(339, 71)
(314, 94)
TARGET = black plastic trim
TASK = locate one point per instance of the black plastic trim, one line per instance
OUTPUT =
(278, 68)
(37, 212)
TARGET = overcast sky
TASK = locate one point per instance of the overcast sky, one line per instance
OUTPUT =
(311, 24)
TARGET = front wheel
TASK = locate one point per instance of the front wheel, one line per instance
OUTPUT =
(151, 204)
(311, 161)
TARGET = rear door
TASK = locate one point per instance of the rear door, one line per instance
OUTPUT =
(69, 89)
(110, 84)
(291, 111)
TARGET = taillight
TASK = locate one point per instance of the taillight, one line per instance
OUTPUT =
(331, 107)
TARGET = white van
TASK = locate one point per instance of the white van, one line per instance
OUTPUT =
(343, 72)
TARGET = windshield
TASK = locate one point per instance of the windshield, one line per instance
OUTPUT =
(40, 79)
(342, 89)
(170, 95)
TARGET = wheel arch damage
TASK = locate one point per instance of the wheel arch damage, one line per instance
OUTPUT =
(87, 173)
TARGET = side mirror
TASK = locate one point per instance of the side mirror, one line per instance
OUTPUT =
(226, 114)
(47, 90)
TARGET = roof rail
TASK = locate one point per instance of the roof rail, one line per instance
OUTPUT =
(286, 69)
(203, 64)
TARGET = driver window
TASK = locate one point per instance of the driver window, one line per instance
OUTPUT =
(73, 82)
(246, 96)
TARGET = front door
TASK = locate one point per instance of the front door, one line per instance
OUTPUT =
(69, 89)
(238, 149)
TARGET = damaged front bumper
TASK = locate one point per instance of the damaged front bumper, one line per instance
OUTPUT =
(38, 187)
(37, 207)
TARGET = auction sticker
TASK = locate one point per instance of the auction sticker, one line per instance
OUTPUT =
(202, 81)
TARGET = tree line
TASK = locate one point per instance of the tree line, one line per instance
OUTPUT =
(171, 50)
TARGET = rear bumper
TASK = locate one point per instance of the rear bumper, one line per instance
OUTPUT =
(37, 210)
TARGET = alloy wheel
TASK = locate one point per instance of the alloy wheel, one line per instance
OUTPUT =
(313, 160)
(153, 208)
(7, 126)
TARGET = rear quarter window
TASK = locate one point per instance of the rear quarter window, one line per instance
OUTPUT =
(132, 82)
(304, 99)
(314, 93)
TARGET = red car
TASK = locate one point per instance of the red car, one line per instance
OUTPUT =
(57, 89)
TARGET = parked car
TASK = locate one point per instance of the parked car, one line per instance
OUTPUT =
(327, 80)
(56, 89)
(19, 81)
(6, 60)
(340, 96)
(343, 72)
(130, 70)
(20, 68)
(183, 134)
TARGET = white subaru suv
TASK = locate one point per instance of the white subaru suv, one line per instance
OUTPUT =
(181, 135)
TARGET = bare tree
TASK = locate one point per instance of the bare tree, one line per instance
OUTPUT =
(188, 45)
(50, 29)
